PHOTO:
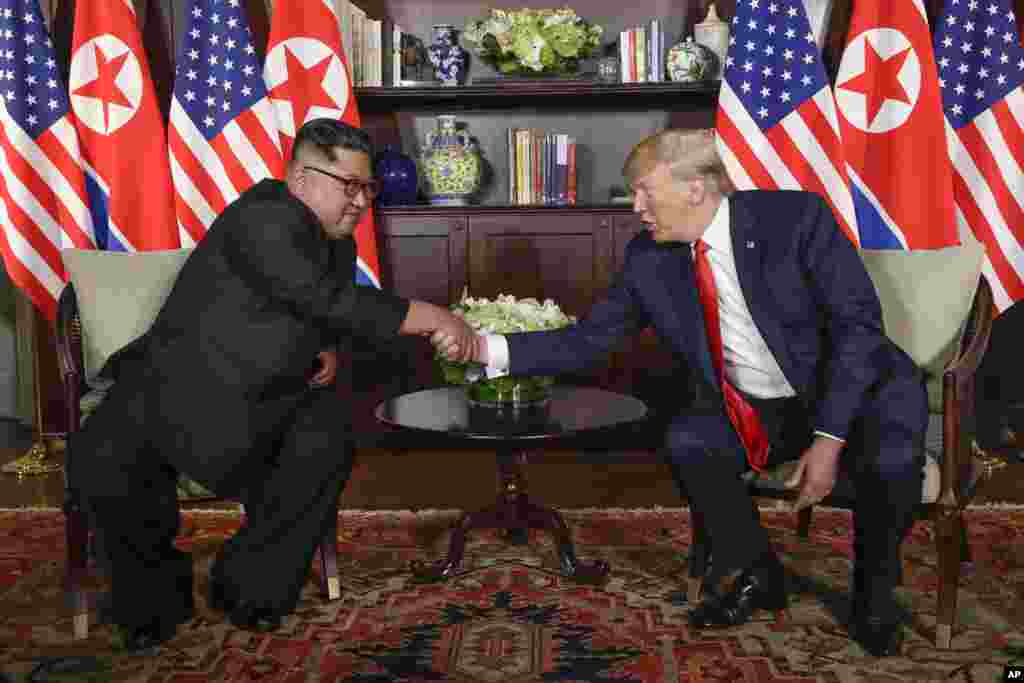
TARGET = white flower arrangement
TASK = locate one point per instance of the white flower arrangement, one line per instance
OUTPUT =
(532, 40)
(504, 315)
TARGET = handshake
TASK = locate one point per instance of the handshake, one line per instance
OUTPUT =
(456, 341)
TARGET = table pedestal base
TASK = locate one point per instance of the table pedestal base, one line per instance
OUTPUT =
(514, 511)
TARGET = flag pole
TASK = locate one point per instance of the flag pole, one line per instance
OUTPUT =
(38, 459)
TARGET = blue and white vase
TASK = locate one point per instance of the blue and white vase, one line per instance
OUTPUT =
(397, 174)
(447, 56)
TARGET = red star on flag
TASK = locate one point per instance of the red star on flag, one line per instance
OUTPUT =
(880, 80)
(304, 87)
(104, 87)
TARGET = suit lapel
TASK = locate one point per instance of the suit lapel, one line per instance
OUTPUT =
(748, 252)
(684, 312)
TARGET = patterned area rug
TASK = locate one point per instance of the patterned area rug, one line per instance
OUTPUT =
(512, 617)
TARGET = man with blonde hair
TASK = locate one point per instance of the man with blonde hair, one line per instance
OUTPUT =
(769, 305)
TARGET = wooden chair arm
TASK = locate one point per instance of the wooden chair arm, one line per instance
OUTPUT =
(69, 356)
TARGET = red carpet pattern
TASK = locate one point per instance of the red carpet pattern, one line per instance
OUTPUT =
(512, 617)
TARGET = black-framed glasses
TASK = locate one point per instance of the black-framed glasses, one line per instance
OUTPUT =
(351, 186)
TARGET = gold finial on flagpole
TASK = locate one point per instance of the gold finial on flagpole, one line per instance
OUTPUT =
(38, 459)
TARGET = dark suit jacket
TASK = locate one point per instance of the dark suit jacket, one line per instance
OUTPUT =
(223, 365)
(806, 288)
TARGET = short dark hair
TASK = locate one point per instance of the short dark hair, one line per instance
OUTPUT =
(326, 134)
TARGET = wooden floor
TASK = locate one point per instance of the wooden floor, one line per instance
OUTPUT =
(384, 480)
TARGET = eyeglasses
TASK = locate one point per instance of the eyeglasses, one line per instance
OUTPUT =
(350, 186)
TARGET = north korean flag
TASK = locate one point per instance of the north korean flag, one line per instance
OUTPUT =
(121, 129)
(308, 77)
(892, 128)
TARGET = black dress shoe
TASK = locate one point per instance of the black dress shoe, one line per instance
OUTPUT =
(259, 618)
(879, 637)
(753, 589)
(245, 615)
(145, 636)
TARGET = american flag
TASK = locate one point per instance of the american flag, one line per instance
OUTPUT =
(981, 69)
(43, 201)
(223, 134)
(777, 125)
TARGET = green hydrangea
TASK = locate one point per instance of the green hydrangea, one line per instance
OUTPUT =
(525, 40)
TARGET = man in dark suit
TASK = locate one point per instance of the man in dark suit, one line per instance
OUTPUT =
(801, 346)
(220, 390)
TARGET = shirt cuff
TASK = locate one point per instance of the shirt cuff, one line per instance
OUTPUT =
(497, 355)
(818, 432)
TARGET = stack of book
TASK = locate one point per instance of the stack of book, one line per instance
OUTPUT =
(541, 167)
(642, 53)
(380, 52)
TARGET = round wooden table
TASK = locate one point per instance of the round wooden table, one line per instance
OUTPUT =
(572, 414)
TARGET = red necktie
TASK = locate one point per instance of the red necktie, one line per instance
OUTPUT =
(742, 415)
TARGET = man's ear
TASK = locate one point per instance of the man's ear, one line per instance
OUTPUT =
(696, 191)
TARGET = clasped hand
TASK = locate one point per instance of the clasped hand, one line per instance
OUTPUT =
(459, 343)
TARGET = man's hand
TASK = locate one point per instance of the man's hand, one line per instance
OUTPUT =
(457, 341)
(816, 472)
(328, 369)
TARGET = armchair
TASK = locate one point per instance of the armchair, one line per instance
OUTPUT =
(937, 307)
(113, 298)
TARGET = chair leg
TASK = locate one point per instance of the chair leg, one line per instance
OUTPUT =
(76, 530)
(698, 558)
(330, 584)
(803, 522)
(965, 545)
(949, 527)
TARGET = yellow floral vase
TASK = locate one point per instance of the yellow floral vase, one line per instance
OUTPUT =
(450, 164)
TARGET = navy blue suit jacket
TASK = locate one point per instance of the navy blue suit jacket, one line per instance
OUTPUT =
(806, 288)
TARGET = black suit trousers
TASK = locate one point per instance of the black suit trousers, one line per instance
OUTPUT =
(127, 481)
(883, 457)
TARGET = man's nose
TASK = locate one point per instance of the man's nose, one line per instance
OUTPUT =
(360, 199)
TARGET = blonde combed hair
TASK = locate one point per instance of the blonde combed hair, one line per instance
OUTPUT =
(689, 154)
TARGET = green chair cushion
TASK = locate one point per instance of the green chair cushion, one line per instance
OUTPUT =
(119, 295)
(926, 297)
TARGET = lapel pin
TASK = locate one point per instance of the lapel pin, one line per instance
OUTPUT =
(750, 245)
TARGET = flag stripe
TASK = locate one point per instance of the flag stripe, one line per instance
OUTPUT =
(745, 169)
(194, 214)
(199, 160)
(46, 183)
(986, 166)
(986, 233)
(877, 208)
(57, 167)
(255, 153)
(25, 214)
(28, 270)
(760, 148)
(980, 209)
(806, 128)
(232, 165)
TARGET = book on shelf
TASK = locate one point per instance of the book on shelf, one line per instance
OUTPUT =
(539, 167)
(642, 53)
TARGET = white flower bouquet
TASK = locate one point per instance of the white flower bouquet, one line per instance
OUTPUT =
(532, 41)
(504, 315)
